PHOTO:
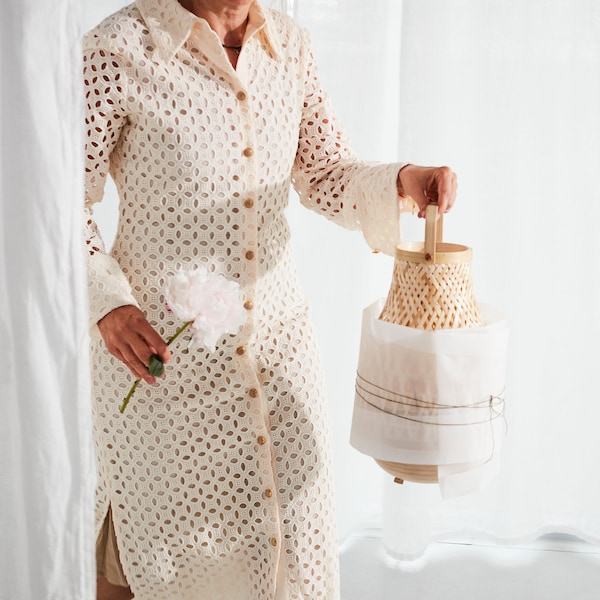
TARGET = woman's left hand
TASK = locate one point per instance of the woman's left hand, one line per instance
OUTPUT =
(428, 184)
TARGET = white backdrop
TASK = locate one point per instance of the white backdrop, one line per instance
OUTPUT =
(507, 93)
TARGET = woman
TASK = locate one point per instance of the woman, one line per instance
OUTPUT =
(216, 481)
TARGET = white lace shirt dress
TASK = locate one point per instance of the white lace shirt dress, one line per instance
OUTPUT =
(218, 476)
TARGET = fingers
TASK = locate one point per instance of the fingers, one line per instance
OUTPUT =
(156, 344)
(136, 354)
(429, 184)
(131, 339)
(445, 186)
(137, 368)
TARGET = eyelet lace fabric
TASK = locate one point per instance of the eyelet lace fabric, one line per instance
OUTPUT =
(219, 476)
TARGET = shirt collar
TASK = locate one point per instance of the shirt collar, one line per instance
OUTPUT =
(170, 25)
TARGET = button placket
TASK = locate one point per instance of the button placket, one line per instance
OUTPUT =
(249, 205)
(249, 249)
(249, 256)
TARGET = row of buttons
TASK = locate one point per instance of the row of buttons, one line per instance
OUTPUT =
(248, 203)
(249, 305)
(262, 440)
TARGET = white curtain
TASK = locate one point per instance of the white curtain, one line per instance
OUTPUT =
(46, 472)
(507, 93)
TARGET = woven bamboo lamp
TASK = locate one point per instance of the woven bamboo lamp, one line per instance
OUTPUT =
(431, 289)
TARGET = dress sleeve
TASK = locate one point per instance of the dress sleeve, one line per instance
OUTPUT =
(105, 115)
(332, 181)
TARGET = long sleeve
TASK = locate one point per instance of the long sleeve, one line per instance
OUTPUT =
(329, 178)
(106, 115)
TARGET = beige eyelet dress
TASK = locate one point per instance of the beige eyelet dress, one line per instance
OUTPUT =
(218, 477)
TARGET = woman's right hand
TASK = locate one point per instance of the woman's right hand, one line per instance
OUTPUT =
(129, 337)
(428, 184)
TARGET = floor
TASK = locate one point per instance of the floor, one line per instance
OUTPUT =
(552, 568)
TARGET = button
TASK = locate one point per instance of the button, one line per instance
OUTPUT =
(248, 203)
(273, 541)
(261, 439)
(250, 255)
(248, 152)
(248, 305)
(269, 493)
(241, 96)
(241, 350)
(253, 393)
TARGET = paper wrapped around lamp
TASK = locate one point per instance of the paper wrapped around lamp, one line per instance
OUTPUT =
(429, 403)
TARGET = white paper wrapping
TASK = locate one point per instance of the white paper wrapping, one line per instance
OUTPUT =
(432, 398)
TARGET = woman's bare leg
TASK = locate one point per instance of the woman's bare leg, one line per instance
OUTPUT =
(108, 591)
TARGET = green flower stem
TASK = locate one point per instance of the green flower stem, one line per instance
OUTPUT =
(179, 332)
(137, 381)
(126, 401)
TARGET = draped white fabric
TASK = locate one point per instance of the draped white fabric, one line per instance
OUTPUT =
(47, 475)
(507, 93)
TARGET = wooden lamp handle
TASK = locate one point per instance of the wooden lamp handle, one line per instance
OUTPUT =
(434, 231)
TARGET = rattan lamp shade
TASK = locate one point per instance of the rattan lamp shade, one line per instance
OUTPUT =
(431, 289)
(431, 285)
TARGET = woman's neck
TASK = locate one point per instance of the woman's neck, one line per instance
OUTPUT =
(227, 19)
